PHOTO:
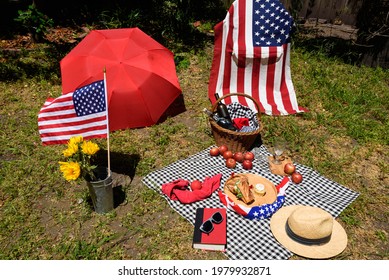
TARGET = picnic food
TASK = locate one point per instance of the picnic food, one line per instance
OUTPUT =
(238, 156)
(247, 164)
(249, 156)
(227, 154)
(297, 177)
(289, 168)
(214, 152)
(260, 189)
(222, 149)
(239, 186)
(231, 163)
(196, 185)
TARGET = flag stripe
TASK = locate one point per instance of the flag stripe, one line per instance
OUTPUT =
(241, 40)
(57, 106)
(82, 112)
(69, 128)
(59, 112)
(80, 131)
(63, 139)
(227, 67)
(286, 102)
(68, 120)
(270, 82)
(252, 56)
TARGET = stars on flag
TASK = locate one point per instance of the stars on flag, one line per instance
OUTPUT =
(267, 210)
(272, 20)
(82, 112)
(89, 99)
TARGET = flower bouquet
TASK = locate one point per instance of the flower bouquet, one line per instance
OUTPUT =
(79, 154)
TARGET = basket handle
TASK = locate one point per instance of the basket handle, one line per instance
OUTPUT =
(238, 94)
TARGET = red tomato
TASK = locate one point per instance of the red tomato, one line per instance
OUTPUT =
(214, 152)
(238, 156)
(196, 185)
(297, 177)
(248, 156)
(227, 154)
(289, 168)
(247, 164)
(222, 149)
(230, 163)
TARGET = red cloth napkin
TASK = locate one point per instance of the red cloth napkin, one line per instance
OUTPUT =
(178, 189)
(241, 122)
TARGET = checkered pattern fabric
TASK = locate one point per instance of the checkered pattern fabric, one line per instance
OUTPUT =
(237, 110)
(251, 239)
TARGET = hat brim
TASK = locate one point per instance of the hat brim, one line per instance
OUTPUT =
(335, 246)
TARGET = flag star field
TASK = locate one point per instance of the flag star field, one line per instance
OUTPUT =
(271, 24)
(90, 99)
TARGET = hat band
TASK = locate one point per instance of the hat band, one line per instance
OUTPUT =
(303, 240)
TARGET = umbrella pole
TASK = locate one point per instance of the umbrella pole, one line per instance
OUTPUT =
(106, 110)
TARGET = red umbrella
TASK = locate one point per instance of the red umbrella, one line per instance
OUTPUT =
(140, 73)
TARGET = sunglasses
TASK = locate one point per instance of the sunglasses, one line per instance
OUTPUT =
(207, 226)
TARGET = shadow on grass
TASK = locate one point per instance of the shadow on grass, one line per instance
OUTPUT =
(342, 48)
(122, 164)
(177, 107)
(119, 196)
(40, 61)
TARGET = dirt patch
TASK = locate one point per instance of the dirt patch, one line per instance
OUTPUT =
(55, 35)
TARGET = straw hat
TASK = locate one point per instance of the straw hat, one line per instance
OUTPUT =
(308, 231)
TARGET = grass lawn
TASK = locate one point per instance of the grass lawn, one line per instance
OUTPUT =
(343, 136)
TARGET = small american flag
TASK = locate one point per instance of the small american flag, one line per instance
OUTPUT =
(82, 112)
(252, 56)
(260, 212)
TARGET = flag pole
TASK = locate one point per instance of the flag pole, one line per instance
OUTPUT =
(107, 120)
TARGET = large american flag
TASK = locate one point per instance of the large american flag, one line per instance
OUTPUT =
(82, 112)
(252, 56)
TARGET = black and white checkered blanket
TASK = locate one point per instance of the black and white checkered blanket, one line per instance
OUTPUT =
(251, 239)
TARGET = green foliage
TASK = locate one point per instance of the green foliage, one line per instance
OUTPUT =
(295, 7)
(24, 64)
(353, 98)
(173, 20)
(35, 22)
(382, 235)
(121, 18)
(182, 61)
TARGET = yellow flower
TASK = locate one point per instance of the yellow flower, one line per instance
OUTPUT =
(71, 170)
(71, 150)
(89, 148)
(75, 140)
(79, 159)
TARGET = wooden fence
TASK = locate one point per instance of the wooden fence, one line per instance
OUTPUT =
(340, 11)
(334, 11)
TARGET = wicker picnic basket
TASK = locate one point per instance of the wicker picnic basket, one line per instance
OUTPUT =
(235, 141)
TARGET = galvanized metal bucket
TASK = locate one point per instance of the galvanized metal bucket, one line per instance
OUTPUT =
(101, 191)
